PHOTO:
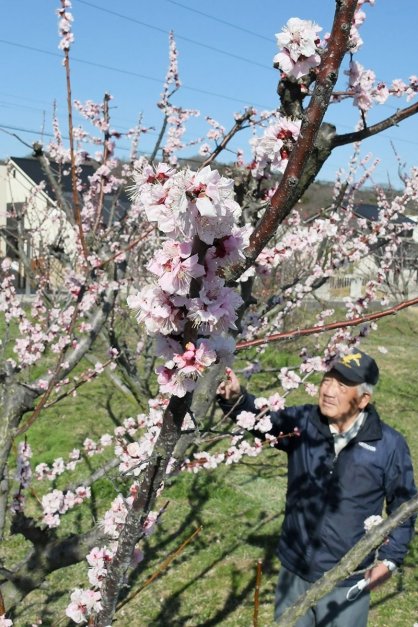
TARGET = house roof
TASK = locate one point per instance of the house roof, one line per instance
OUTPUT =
(371, 213)
(33, 170)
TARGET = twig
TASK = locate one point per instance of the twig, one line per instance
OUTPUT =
(86, 378)
(257, 593)
(393, 120)
(160, 138)
(342, 324)
(166, 563)
(125, 250)
(106, 117)
(227, 138)
(56, 374)
(2, 608)
(77, 211)
(348, 564)
(286, 194)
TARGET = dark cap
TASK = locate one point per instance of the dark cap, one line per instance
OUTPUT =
(357, 367)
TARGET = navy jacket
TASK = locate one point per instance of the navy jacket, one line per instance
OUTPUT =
(329, 498)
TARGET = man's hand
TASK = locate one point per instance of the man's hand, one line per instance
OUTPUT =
(377, 575)
(230, 388)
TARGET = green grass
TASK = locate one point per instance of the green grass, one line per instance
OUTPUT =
(239, 509)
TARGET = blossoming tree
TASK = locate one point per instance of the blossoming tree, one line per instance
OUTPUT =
(203, 240)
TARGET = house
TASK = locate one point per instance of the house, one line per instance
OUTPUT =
(34, 228)
(402, 279)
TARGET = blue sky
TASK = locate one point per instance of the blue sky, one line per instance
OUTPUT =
(225, 60)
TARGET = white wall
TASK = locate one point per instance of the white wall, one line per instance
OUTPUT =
(43, 219)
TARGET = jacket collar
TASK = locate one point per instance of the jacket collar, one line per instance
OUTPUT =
(371, 429)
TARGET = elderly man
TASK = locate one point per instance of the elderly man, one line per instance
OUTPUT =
(343, 467)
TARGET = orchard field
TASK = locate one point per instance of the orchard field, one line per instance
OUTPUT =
(236, 511)
(125, 496)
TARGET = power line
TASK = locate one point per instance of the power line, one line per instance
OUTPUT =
(9, 105)
(180, 37)
(48, 134)
(3, 128)
(115, 120)
(217, 19)
(19, 97)
(30, 131)
(130, 73)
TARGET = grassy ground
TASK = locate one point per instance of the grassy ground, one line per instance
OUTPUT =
(238, 511)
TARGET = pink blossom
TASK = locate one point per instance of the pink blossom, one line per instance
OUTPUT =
(178, 376)
(157, 311)
(98, 560)
(275, 146)
(106, 440)
(398, 87)
(298, 42)
(361, 81)
(289, 379)
(229, 250)
(53, 502)
(260, 402)
(204, 150)
(246, 419)
(264, 424)
(149, 523)
(311, 389)
(276, 402)
(90, 446)
(381, 93)
(216, 307)
(83, 603)
(81, 494)
(176, 267)
(114, 518)
(195, 359)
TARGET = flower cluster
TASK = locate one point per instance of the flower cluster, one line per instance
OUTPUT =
(83, 603)
(240, 447)
(56, 503)
(187, 205)
(65, 24)
(355, 41)
(366, 92)
(179, 374)
(98, 559)
(298, 43)
(176, 119)
(274, 146)
(172, 80)
(87, 602)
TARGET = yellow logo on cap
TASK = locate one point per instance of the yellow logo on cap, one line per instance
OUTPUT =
(347, 359)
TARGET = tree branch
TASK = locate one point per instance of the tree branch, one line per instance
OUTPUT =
(227, 138)
(393, 120)
(348, 564)
(329, 327)
(327, 74)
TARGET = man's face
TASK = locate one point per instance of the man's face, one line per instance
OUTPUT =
(338, 398)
